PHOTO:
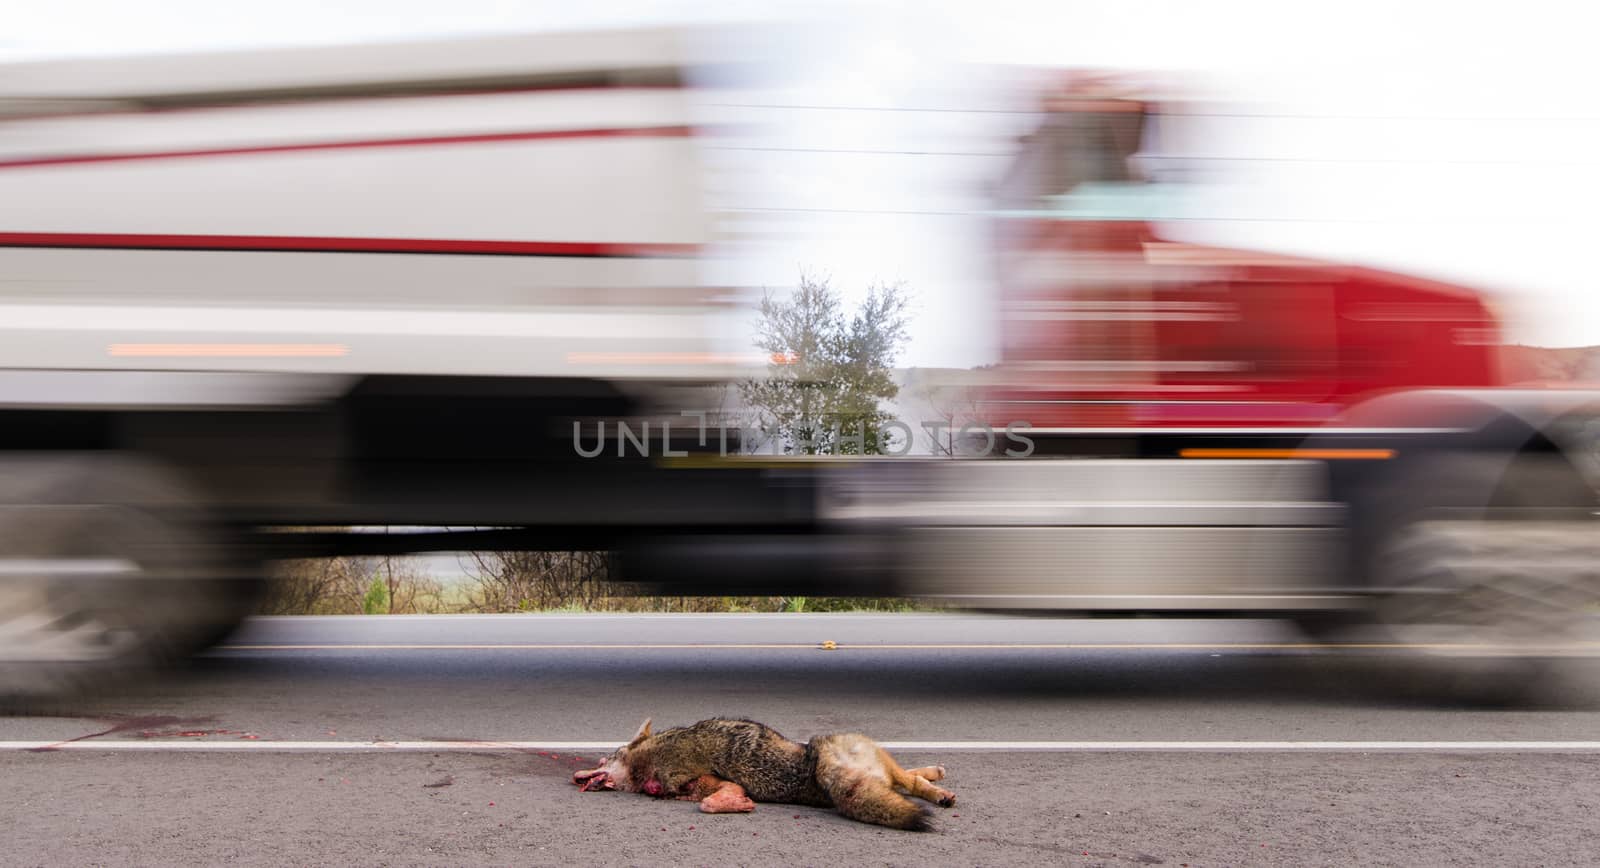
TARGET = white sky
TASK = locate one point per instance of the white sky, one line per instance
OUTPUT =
(1456, 140)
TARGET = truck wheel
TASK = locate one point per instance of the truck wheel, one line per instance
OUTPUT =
(1501, 586)
(1514, 586)
(106, 569)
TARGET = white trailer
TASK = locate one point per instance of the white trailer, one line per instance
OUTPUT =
(333, 287)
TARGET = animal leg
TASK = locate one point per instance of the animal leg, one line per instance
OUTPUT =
(919, 786)
(929, 773)
(699, 788)
(916, 784)
(727, 798)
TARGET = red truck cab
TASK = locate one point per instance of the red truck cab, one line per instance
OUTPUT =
(1105, 324)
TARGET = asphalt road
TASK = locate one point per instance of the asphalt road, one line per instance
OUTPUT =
(450, 740)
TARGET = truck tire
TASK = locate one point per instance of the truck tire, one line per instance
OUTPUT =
(1490, 565)
(107, 569)
(1513, 587)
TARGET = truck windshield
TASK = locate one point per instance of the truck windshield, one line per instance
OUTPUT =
(1077, 165)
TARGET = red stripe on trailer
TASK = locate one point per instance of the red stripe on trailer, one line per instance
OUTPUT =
(327, 244)
(676, 131)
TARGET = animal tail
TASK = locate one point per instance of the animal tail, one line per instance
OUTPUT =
(851, 772)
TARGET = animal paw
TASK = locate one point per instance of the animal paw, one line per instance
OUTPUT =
(727, 803)
(947, 799)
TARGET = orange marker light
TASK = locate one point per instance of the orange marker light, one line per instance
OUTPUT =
(1320, 454)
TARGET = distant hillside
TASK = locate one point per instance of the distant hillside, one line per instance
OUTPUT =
(1520, 364)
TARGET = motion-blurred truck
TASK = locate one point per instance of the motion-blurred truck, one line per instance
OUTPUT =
(254, 303)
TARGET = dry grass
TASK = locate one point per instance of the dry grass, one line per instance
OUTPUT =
(512, 582)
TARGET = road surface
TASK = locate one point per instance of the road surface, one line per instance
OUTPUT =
(450, 740)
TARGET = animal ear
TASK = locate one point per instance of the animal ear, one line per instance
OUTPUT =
(643, 733)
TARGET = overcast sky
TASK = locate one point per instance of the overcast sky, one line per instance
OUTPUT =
(1451, 140)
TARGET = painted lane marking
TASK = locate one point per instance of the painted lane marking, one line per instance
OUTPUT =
(975, 746)
(892, 646)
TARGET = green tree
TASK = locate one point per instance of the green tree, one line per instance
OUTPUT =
(376, 602)
(829, 370)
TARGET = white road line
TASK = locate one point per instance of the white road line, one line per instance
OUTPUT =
(201, 746)
(1562, 648)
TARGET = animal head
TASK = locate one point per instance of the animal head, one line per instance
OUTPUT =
(616, 772)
